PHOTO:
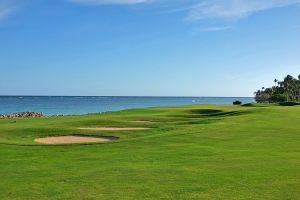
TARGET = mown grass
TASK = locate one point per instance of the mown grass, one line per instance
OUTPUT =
(191, 152)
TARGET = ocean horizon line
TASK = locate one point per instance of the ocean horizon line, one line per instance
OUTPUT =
(126, 96)
(93, 104)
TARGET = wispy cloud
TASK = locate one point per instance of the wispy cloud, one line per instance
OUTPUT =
(215, 29)
(106, 2)
(198, 10)
(233, 9)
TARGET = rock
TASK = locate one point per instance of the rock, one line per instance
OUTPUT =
(22, 115)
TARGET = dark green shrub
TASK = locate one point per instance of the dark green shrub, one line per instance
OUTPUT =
(289, 103)
(237, 103)
(249, 105)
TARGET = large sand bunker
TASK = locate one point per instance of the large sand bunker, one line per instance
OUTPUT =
(73, 139)
(114, 128)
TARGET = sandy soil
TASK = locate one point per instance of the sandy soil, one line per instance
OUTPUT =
(114, 128)
(72, 139)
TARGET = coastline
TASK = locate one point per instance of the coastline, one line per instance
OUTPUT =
(72, 105)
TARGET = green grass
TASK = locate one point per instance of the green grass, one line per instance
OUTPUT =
(191, 152)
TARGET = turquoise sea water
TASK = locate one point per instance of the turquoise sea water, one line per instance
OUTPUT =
(51, 105)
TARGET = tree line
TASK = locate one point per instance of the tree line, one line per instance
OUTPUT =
(287, 90)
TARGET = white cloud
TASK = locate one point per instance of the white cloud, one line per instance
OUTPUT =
(205, 9)
(207, 12)
(106, 2)
(197, 10)
(233, 9)
(215, 29)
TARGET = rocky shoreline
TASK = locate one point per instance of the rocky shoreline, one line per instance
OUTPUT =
(22, 115)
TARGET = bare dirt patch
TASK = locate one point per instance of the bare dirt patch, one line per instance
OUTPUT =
(73, 139)
(115, 128)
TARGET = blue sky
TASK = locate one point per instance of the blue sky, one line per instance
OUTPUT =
(147, 47)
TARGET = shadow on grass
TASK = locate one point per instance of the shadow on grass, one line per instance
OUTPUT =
(271, 104)
(207, 113)
(257, 105)
(289, 104)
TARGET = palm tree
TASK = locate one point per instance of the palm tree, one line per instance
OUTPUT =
(286, 90)
(291, 87)
(286, 84)
(298, 88)
(277, 81)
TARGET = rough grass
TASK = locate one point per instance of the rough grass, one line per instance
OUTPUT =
(191, 152)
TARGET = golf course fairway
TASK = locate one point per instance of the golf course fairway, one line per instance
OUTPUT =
(186, 152)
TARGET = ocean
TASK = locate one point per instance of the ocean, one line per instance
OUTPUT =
(69, 105)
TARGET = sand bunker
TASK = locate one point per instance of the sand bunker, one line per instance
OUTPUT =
(72, 139)
(114, 129)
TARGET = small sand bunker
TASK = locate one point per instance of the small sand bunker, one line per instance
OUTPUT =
(114, 129)
(73, 139)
